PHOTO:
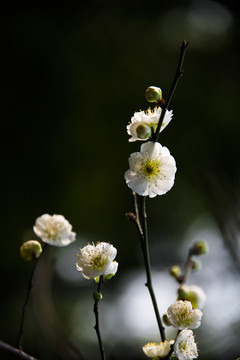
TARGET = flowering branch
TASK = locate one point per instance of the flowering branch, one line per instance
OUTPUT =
(24, 309)
(178, 74)
(16, 351)
(97, 297)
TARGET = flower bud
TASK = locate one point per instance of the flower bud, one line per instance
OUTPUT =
(196, 265)
(183, 293)
(97, 296)
(31, 250)
(143, 131)
(166, 320)
(175, 271)
(153, 94)
(199, 248)
(130, 216)
(194, 294)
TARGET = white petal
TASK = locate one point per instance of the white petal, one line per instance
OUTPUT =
(151, 150)
(135, 161)
(112, 268)
(167, 119)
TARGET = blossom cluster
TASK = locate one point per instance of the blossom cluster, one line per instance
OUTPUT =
(182, 317)
(152, 170)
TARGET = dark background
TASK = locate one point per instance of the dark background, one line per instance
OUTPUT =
(72, 77)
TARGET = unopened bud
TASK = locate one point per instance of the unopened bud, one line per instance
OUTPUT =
(194, 294)
(153, 94)
(175, 271)
(196, 265)
(143, 131)
(183, 292)
(97, 296)
(31, 250)
(200, 248)
(166, 320)
(130, 216)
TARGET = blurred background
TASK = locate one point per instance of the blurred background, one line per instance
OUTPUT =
(72, 77)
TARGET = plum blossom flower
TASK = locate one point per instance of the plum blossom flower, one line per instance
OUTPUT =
(181, 315)
(152, 170)
(185, 347)
(160, 350)
(54, 230)
(96, 260)
(193, 293)
(144, 123)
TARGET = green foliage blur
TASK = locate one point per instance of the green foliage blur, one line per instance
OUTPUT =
(72, 77)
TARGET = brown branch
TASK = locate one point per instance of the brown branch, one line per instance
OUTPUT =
(16, 351)
(179, 73)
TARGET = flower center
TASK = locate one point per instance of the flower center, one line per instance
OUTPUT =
(151, 168)
(182, 346)
(98, 262)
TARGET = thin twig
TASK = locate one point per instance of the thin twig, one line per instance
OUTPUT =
(24, 308)
(145, 249)
(178, 74)
(143, 234)
(96, 327)
(16, 351)
(187, 269)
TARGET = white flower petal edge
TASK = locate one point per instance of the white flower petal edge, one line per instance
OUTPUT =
(152, 170)
(185, 347)
(181, 315)
(160, 350)
(96, 260)
(54, 230)
(142, 122)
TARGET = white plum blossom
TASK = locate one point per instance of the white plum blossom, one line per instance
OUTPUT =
(144, 122)
(96, 260)
(185, 347)
(193, 293)
(54, 230)
(152, 170)
(181, 315)
(160, 350)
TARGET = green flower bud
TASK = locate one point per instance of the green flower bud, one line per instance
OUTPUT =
(183, 293)
(192, 293)
(31, 250)
(199, 248)
(166, 320)
(175, 271)
(153, 94)
(196, 265)
(143, 131)
(97, 296)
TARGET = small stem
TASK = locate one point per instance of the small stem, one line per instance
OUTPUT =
(96, 327)
(145, 249)
(24, 308)
(137, 218)
(16, 351)
(187, 268)
(178, 74)
(172, 347)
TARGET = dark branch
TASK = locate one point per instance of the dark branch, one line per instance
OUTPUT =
(178, 74)
(16, 351)
(96, 327)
